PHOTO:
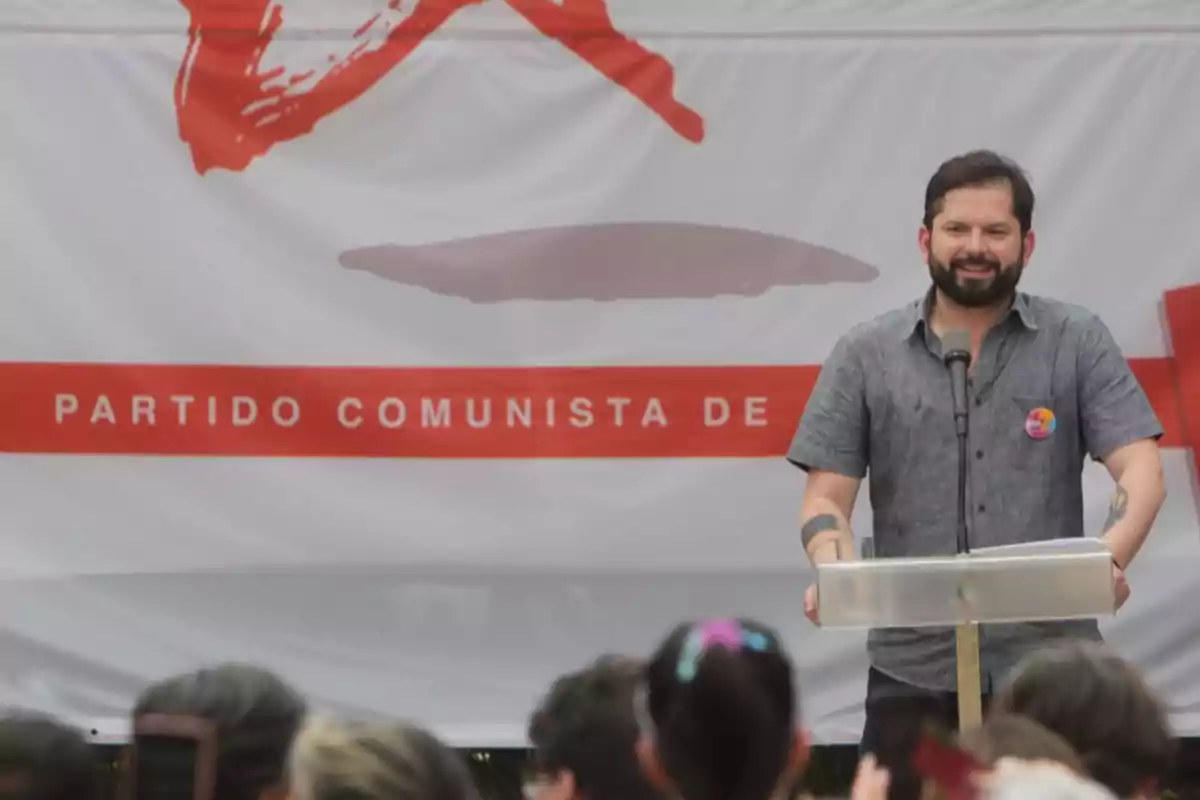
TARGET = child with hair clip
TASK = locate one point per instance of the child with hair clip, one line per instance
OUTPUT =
(718, 714)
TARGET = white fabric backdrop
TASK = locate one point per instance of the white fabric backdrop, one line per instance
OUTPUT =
(453, 590)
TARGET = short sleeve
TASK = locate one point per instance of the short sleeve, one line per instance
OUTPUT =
(832, 435)
(1114, 409)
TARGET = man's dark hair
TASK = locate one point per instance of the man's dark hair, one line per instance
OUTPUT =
(1102, 706)
(980, 168)
(586, 725)
(42, 758)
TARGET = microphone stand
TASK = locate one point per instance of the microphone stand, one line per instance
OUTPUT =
(960, 421)
(966, 634)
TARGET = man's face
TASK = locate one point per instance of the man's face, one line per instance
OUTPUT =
(974, 248)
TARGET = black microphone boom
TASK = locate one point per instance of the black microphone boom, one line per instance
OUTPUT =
(956, 352)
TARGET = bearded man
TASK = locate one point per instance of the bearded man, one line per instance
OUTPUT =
(1047, 387)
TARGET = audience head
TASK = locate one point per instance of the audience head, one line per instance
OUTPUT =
(43, 759)
(584, 735)
(1002, 738)
(1102, 707)
(360, 761)
(719, 713)
(231, 724)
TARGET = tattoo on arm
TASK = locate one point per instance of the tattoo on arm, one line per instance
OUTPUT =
(818, 524)
(1117, 508)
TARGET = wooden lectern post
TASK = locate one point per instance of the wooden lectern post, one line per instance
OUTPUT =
(970, 678)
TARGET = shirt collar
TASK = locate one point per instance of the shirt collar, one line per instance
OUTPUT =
(919, 310)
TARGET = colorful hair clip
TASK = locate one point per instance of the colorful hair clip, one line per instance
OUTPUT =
(727, 633)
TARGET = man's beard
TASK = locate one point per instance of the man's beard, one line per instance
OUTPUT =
(995, 287)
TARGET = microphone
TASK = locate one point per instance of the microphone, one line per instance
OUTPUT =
(956, 352)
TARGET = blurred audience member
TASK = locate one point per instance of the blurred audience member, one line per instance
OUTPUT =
(1010, 736)
(359, 761)
(224, 732)
(584, 736)
(42, 758)
(1016, 779)
(719, 714)
(1101, 705)
(1001, 737)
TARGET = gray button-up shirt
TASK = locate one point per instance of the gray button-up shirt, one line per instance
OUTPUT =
(883, 404)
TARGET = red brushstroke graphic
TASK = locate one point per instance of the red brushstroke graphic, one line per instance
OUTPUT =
(231, 111)
(469, 412)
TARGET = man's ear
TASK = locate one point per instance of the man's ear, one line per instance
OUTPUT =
(647, 755)
(923, 242)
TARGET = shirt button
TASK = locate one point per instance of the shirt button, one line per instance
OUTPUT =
(979, 454)
(982, 508)
(978, 402)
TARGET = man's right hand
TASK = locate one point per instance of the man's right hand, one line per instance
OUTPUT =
(825, 525)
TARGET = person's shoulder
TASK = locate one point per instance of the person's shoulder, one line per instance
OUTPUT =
(883, 329)
(1054, 313)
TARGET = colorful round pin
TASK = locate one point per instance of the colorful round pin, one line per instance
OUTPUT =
(1040, 423)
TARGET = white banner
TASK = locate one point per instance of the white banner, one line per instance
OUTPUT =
(422, 351)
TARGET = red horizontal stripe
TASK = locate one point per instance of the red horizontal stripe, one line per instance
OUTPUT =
(403, 413)
(537, 412)
(550, 412)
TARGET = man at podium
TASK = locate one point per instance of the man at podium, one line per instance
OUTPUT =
(1046, 386)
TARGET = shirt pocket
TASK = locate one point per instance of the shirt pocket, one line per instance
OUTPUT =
(1041, 430)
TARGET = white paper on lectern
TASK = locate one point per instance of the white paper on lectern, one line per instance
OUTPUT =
(1074, 545)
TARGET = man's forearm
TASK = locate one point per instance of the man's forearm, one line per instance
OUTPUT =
(825, 532)
(1138, 498)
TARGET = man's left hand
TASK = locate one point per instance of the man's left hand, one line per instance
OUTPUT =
(1120, 586)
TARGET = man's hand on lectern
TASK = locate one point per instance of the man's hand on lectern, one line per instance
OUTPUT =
(810, 604)
(1120, 588)
(825, 524)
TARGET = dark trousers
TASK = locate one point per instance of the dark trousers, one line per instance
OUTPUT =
(897, 714)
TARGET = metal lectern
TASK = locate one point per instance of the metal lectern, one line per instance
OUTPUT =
(1059, 579)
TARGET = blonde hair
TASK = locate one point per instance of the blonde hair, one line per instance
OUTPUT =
(332, 760)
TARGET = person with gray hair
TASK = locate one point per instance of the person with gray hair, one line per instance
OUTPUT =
(1101, 705)
(217, 733)
(334, 760)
